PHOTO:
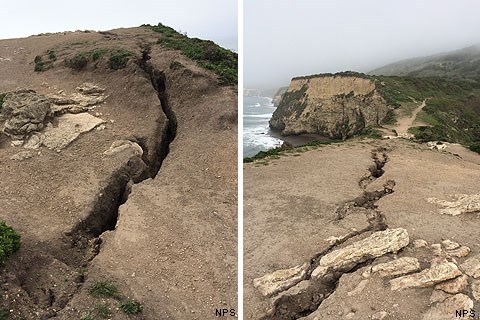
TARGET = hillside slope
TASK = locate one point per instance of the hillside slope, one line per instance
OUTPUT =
(118, 166)
(453, 65)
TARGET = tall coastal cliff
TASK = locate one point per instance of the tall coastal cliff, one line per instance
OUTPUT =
(334, 105)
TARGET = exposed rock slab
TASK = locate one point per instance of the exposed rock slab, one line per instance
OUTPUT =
(471, 266)
(428, 277)
(453, 286)
(376, 245)
(24, 111)
(70, 126)
(476, 289)
(280, 280)
(446, 310)
(22, 155)
(125, 146)
(463, 204)
(461, 252)
(397, 267)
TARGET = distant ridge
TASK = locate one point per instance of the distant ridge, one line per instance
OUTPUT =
(462, 63)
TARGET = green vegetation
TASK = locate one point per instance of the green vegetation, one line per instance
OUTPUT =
(42, 64)
(87, 316)
(291, 102)
(39, 65)
(275, 153)
(9, 242)
(98, 53)
(3, 315)
(51, 55)
(2, 97)
(78, 62)
(105, 289)
(452, 110)
(118, 59)
(208, 54)
(475, 147)
(102, 310)
(131, 307)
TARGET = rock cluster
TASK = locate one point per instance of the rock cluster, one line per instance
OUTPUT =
(454, 285)
(28, 117)
(24, 112)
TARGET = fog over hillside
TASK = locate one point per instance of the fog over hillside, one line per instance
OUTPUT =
(282, 40)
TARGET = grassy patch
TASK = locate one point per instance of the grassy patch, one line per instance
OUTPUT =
(131, 307)
(208, 54)
(102, 310)
(475, 147)
(371, 133)
(118, 59)
(9, 242)
(264, 154)
(275, 153)
(87, 316)
(103, 289)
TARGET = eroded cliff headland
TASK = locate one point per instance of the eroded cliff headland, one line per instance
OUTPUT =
(337, 106)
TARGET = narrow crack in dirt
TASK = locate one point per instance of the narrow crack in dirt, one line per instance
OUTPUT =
(84, 240)
(306, 296)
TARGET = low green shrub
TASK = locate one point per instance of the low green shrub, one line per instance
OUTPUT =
(131, 307)
(118, 59)
(105, 289)
(39, 65)
(78, 62)
(9, 242)
(208, 54)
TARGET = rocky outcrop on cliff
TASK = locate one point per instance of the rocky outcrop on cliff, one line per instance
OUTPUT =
(277, 97)
(333, 105)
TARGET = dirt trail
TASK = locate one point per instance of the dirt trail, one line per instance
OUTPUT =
(405, 123)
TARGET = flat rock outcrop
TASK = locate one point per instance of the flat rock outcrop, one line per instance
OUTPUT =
(337, 106)
(376, 245)
(24, 112)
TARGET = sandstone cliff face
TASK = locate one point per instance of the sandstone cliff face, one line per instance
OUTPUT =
(337, 106)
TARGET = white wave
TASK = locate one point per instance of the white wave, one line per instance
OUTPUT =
(262, 115)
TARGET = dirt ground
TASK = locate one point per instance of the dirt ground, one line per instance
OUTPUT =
(173, 247)
(291, 212)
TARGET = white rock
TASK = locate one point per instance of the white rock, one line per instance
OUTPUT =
(428, 277)
(280, 280)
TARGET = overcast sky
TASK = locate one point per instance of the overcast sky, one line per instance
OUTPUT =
(208, 19)
(285, 38)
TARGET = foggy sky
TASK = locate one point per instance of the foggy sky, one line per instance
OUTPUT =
(284, 38)
(208, 19)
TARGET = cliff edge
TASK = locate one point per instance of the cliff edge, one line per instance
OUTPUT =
(334, 105)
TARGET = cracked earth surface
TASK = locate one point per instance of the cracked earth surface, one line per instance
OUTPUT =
(322, 203)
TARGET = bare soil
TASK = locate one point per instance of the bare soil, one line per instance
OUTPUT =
(173, 247)
(294, 206)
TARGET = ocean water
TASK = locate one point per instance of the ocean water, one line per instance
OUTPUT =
(256, 133)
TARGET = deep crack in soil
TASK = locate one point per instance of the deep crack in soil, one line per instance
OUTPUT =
(84, 240)
(306, 296)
